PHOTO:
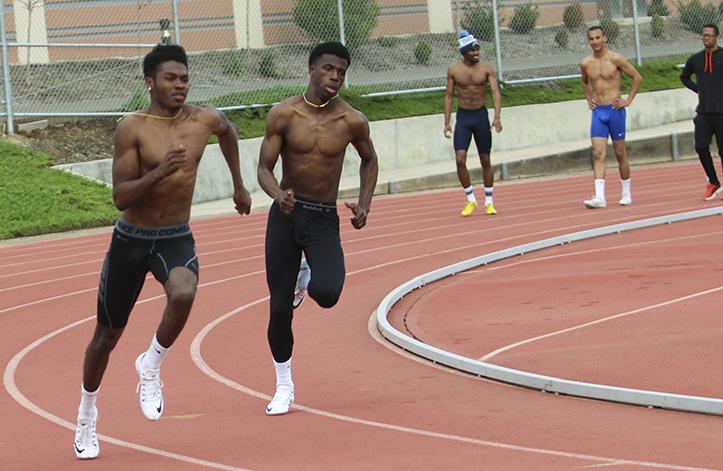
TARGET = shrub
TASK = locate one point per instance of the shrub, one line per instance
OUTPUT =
(267, 65)
(657, 26)
(561, 38)
(138, 100)
(422, 52)
(388, 41)
(657, 7)
(612, 29)
(479, 20)
(573, 16)
(320, 20)
(524, 19)
(694, 15)
(235, 65)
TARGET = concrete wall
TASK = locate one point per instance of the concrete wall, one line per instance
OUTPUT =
(418, 141)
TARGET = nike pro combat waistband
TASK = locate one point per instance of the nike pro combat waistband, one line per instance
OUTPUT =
(162, 232)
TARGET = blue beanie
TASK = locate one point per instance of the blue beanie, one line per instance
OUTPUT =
(466, 41)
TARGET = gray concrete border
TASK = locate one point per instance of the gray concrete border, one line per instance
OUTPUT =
(699, 404)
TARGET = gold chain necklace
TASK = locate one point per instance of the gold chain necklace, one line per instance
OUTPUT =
(303, 95)
(170, 118)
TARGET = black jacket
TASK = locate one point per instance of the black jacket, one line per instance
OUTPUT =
(708, 70)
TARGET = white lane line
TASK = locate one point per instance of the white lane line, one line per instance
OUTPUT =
(206, 369)
(615, 316)
(234, 261)
(52, 280)
(383, 227)
(12, 389)
(600, 321)
(375, 249)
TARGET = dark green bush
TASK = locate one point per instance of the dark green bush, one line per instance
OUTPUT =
(658, 7)
(320, 20)
(388, 41)
(524, 19)
(479, 20)
(138, 101)
(235, 66)
(422, 52)
(694, 15)
(657, 26)
(573, 17)
(612, 29)
(267, 65)
(561, 38)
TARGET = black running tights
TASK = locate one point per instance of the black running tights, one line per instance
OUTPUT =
(314, 229)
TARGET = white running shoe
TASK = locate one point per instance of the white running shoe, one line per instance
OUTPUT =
(149, 386)
(626, 200)
(717, 195)
(86, 441)
(594, 202)
(302, 282)
(281, 401)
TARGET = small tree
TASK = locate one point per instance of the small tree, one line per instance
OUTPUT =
(694, 15)
(320, 20)
(138, 101)
(267, 65)
(479, 20)
(573, 16)
(30, 6)
(235, 65)
(524, 19)
(561, 38)
(422, 52)
(657, 26)
(611, 28)
(658, 7)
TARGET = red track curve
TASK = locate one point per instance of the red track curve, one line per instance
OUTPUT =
(361, 404)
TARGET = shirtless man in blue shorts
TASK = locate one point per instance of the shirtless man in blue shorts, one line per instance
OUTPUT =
(155, 162)
(471, 77)
(601, 77)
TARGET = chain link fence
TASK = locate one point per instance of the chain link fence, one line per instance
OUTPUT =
(83, 57)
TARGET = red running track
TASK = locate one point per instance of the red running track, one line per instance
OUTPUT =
(361, 403)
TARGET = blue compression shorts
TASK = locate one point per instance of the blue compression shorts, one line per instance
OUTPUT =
(473, 123)
(607, 121)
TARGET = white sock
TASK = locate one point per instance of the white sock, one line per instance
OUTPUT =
(283, 373)
(626, 187)
(488, 194)
(600, 188)
(87, 403)
(303, 283)
(155, 355)
(470, 194)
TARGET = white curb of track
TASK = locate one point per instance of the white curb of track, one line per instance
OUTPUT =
(543, 383)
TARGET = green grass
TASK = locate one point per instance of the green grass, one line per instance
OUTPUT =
(36, 199)
(250, 122)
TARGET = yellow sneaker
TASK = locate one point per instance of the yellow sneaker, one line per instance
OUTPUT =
(469, 208)
(490, 210)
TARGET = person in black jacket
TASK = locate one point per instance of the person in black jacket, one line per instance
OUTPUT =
(707, 65)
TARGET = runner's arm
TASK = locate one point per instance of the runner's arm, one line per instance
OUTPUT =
(269, 154)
